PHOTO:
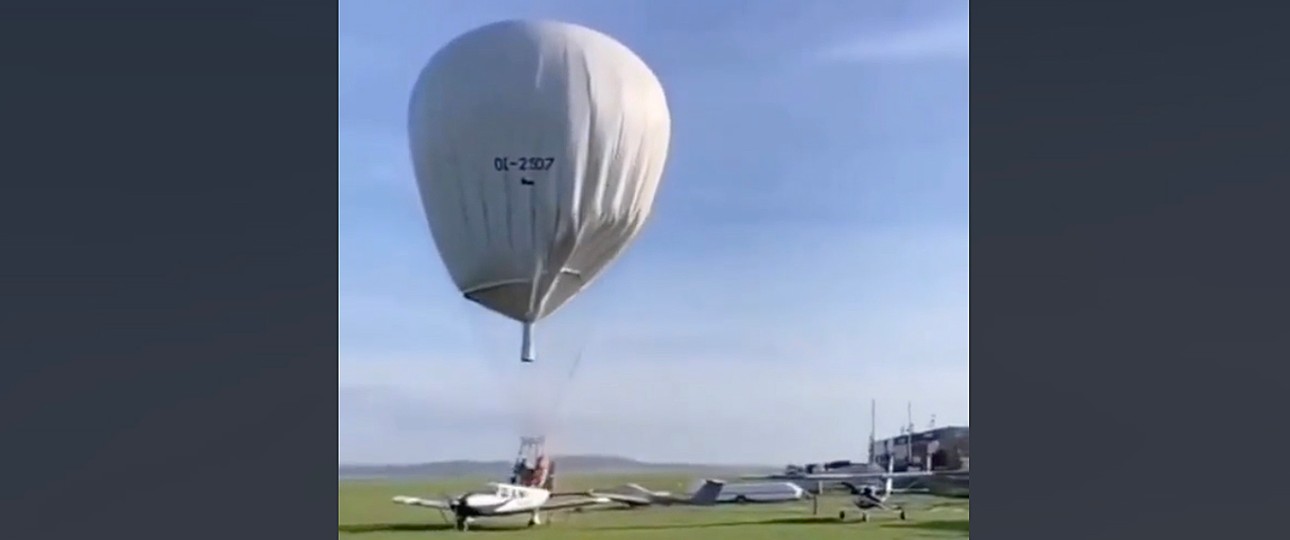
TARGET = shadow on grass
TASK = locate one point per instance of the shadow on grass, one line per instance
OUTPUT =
(777, 521)
(947, 525)
(362, 528)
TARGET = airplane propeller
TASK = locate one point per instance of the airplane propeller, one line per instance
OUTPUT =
(454, 504)
(451, 505)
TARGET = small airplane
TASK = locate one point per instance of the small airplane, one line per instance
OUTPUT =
(868, 497)
(640, 496)
(501, 500)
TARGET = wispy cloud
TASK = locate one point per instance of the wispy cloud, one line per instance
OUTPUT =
(936, 40)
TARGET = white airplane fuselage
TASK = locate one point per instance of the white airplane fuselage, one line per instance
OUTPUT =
(505, 500)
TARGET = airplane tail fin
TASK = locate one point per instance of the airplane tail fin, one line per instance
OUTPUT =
(707, 494)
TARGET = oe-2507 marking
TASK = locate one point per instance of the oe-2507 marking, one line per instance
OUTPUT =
(505, 164)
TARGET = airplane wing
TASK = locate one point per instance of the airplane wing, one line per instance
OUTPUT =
(587, 493)
(856, 490)
(843, 476)
(565, 505)
(417, 501)
(629, 500)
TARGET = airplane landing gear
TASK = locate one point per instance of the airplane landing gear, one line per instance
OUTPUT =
(902, 514)
(463, 524)
(842, 515)
(864, 516)
(535, 520)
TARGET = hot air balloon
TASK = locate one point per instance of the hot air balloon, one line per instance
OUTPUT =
(538, 148)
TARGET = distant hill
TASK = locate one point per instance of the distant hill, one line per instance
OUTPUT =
(564, 465)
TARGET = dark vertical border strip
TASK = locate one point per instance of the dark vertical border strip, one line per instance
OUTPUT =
(168, 279)
(1129, 268)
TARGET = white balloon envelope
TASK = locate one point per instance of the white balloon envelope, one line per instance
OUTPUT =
(538, 148)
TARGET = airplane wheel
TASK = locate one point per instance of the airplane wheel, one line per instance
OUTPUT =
(842, 515)
(462, 525)
(864, 517)
(902, 515)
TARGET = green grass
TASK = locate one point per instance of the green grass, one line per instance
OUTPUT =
(366, 513)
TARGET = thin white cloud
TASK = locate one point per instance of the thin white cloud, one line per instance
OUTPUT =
(945, 39)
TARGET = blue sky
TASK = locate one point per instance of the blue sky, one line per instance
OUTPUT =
(808, 250)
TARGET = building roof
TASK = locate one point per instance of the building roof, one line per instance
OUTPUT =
(929, 434)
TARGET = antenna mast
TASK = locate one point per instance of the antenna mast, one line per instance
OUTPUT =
(873, 426)
(909, 437)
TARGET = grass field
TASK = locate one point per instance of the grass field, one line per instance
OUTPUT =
(366, 513)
